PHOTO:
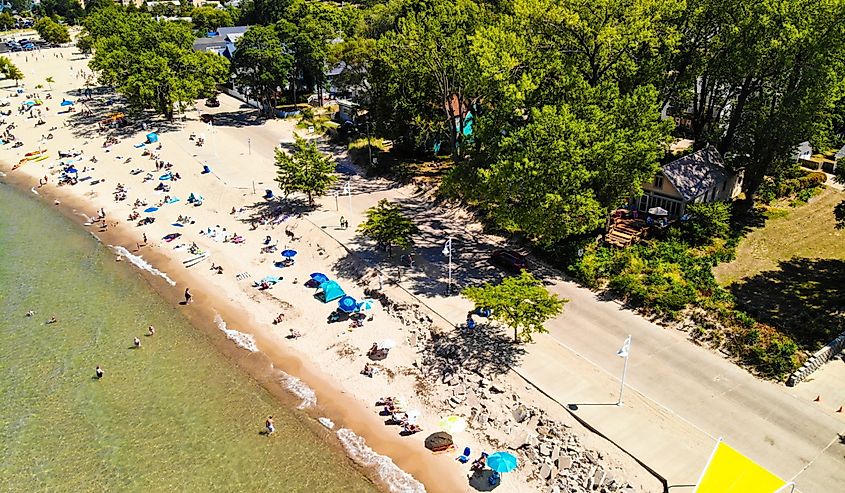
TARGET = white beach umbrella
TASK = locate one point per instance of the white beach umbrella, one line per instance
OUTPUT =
(658, 211)
(387, 344)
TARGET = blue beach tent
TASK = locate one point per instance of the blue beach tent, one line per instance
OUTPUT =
(152, 137)
(331, 291)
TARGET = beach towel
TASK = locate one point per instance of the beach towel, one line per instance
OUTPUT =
(172, 200)
(151, 209)
(178, 225)
(138, 146)
(165, 177)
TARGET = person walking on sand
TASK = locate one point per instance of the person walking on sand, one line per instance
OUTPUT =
(151, 330)
(137, 343)
(145, 239)
(188, 296)
(342, 221)
(271, 427)
(99, 372)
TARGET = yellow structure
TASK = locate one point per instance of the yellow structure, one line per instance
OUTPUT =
(728, 471)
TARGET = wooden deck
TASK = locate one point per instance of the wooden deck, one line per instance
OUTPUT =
(623, 233)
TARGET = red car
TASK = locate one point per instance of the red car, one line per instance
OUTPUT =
(510, 260)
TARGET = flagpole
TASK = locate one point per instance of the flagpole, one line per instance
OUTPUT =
(349, 193)
(624, 371)
(449, 287)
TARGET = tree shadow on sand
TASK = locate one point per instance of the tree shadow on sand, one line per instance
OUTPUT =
(485, 350)
(804, 298)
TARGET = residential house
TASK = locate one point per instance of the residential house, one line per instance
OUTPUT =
(697, 177)
(803, 152)
(223, 42)
(839, 156)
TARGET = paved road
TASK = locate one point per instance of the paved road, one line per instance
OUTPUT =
(680, 396)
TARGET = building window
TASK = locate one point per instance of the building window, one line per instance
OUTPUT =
(658, 181)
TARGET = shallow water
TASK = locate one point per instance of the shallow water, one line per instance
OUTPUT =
(174, 415)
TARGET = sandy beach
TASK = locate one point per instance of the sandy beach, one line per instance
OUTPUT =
(322, 368)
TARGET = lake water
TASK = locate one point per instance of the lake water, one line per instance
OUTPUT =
(174, 415)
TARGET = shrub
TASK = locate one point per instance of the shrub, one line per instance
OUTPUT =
(812, 179)
(708, 221)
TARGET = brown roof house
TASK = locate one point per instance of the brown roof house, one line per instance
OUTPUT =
(698, 177)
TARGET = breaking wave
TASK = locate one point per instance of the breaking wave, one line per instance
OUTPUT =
(397, 480)
(298, 388)
(33, 190)
(142, 264)
(243, 341)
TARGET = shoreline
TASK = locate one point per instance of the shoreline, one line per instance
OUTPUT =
(329, 402)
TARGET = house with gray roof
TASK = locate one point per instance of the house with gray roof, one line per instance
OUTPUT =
(697, 177)
(222, 42)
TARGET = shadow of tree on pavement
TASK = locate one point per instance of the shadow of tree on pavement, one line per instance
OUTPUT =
(485, 350)
(804, 299)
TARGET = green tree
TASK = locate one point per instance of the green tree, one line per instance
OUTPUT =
(388, 226)
(306, 170)
(9, 71)
(520, 302)
(52, 32)
(70, 10)
(260, 65)
(708, 221)
(208, 19)
(152, 63)
(6, 20)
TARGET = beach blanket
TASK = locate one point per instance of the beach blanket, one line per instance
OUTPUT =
(178, 225)
(137, 146)
(165, 177)
(172, 200)
(151, 209)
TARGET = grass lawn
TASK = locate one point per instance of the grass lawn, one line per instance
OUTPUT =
(806, 232)
(790, 273)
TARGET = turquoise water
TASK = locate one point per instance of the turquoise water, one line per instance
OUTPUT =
(174, 415)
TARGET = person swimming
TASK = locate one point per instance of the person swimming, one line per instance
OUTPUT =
(271, 427)
(137, 342)
(151, 330)
(52, 320)
(99, 372)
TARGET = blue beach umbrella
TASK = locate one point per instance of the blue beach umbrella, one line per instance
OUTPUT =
(366, 305)
(319, 277)
(288, 253)
(66, 102)
(502, 462)
(347, 304)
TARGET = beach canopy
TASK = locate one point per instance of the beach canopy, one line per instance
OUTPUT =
(66, 102)
(319, 277)
(502, 462)
(331, 291)
(288, 253)
(439, 441)
(387, 344)
(347, 304)
(366, 305)
(453, 424)
(152, 137)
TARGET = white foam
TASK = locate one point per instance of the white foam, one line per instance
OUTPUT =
(298, 388)
(142, 264)
(326, 422)
(396, 480)
(243, 341)
(33, 190)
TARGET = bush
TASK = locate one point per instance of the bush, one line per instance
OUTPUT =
(812, 179)
(708, 221)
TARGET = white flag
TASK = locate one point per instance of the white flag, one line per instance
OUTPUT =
(623, 351)
(447, 248)
(347, 189)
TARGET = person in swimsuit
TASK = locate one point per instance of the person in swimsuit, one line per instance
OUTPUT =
(137, 343)
(151, 330)
(99, 372)
(187, 296)
(271, 428)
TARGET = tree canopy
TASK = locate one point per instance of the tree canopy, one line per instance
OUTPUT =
(9, 70)
(151, 62)
(388, 226)
(51, 31)
(520, 302)
(305, 170)
(208, 19)
(261, 65)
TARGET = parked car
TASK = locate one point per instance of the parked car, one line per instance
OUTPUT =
(509, 259)
(212, 102)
